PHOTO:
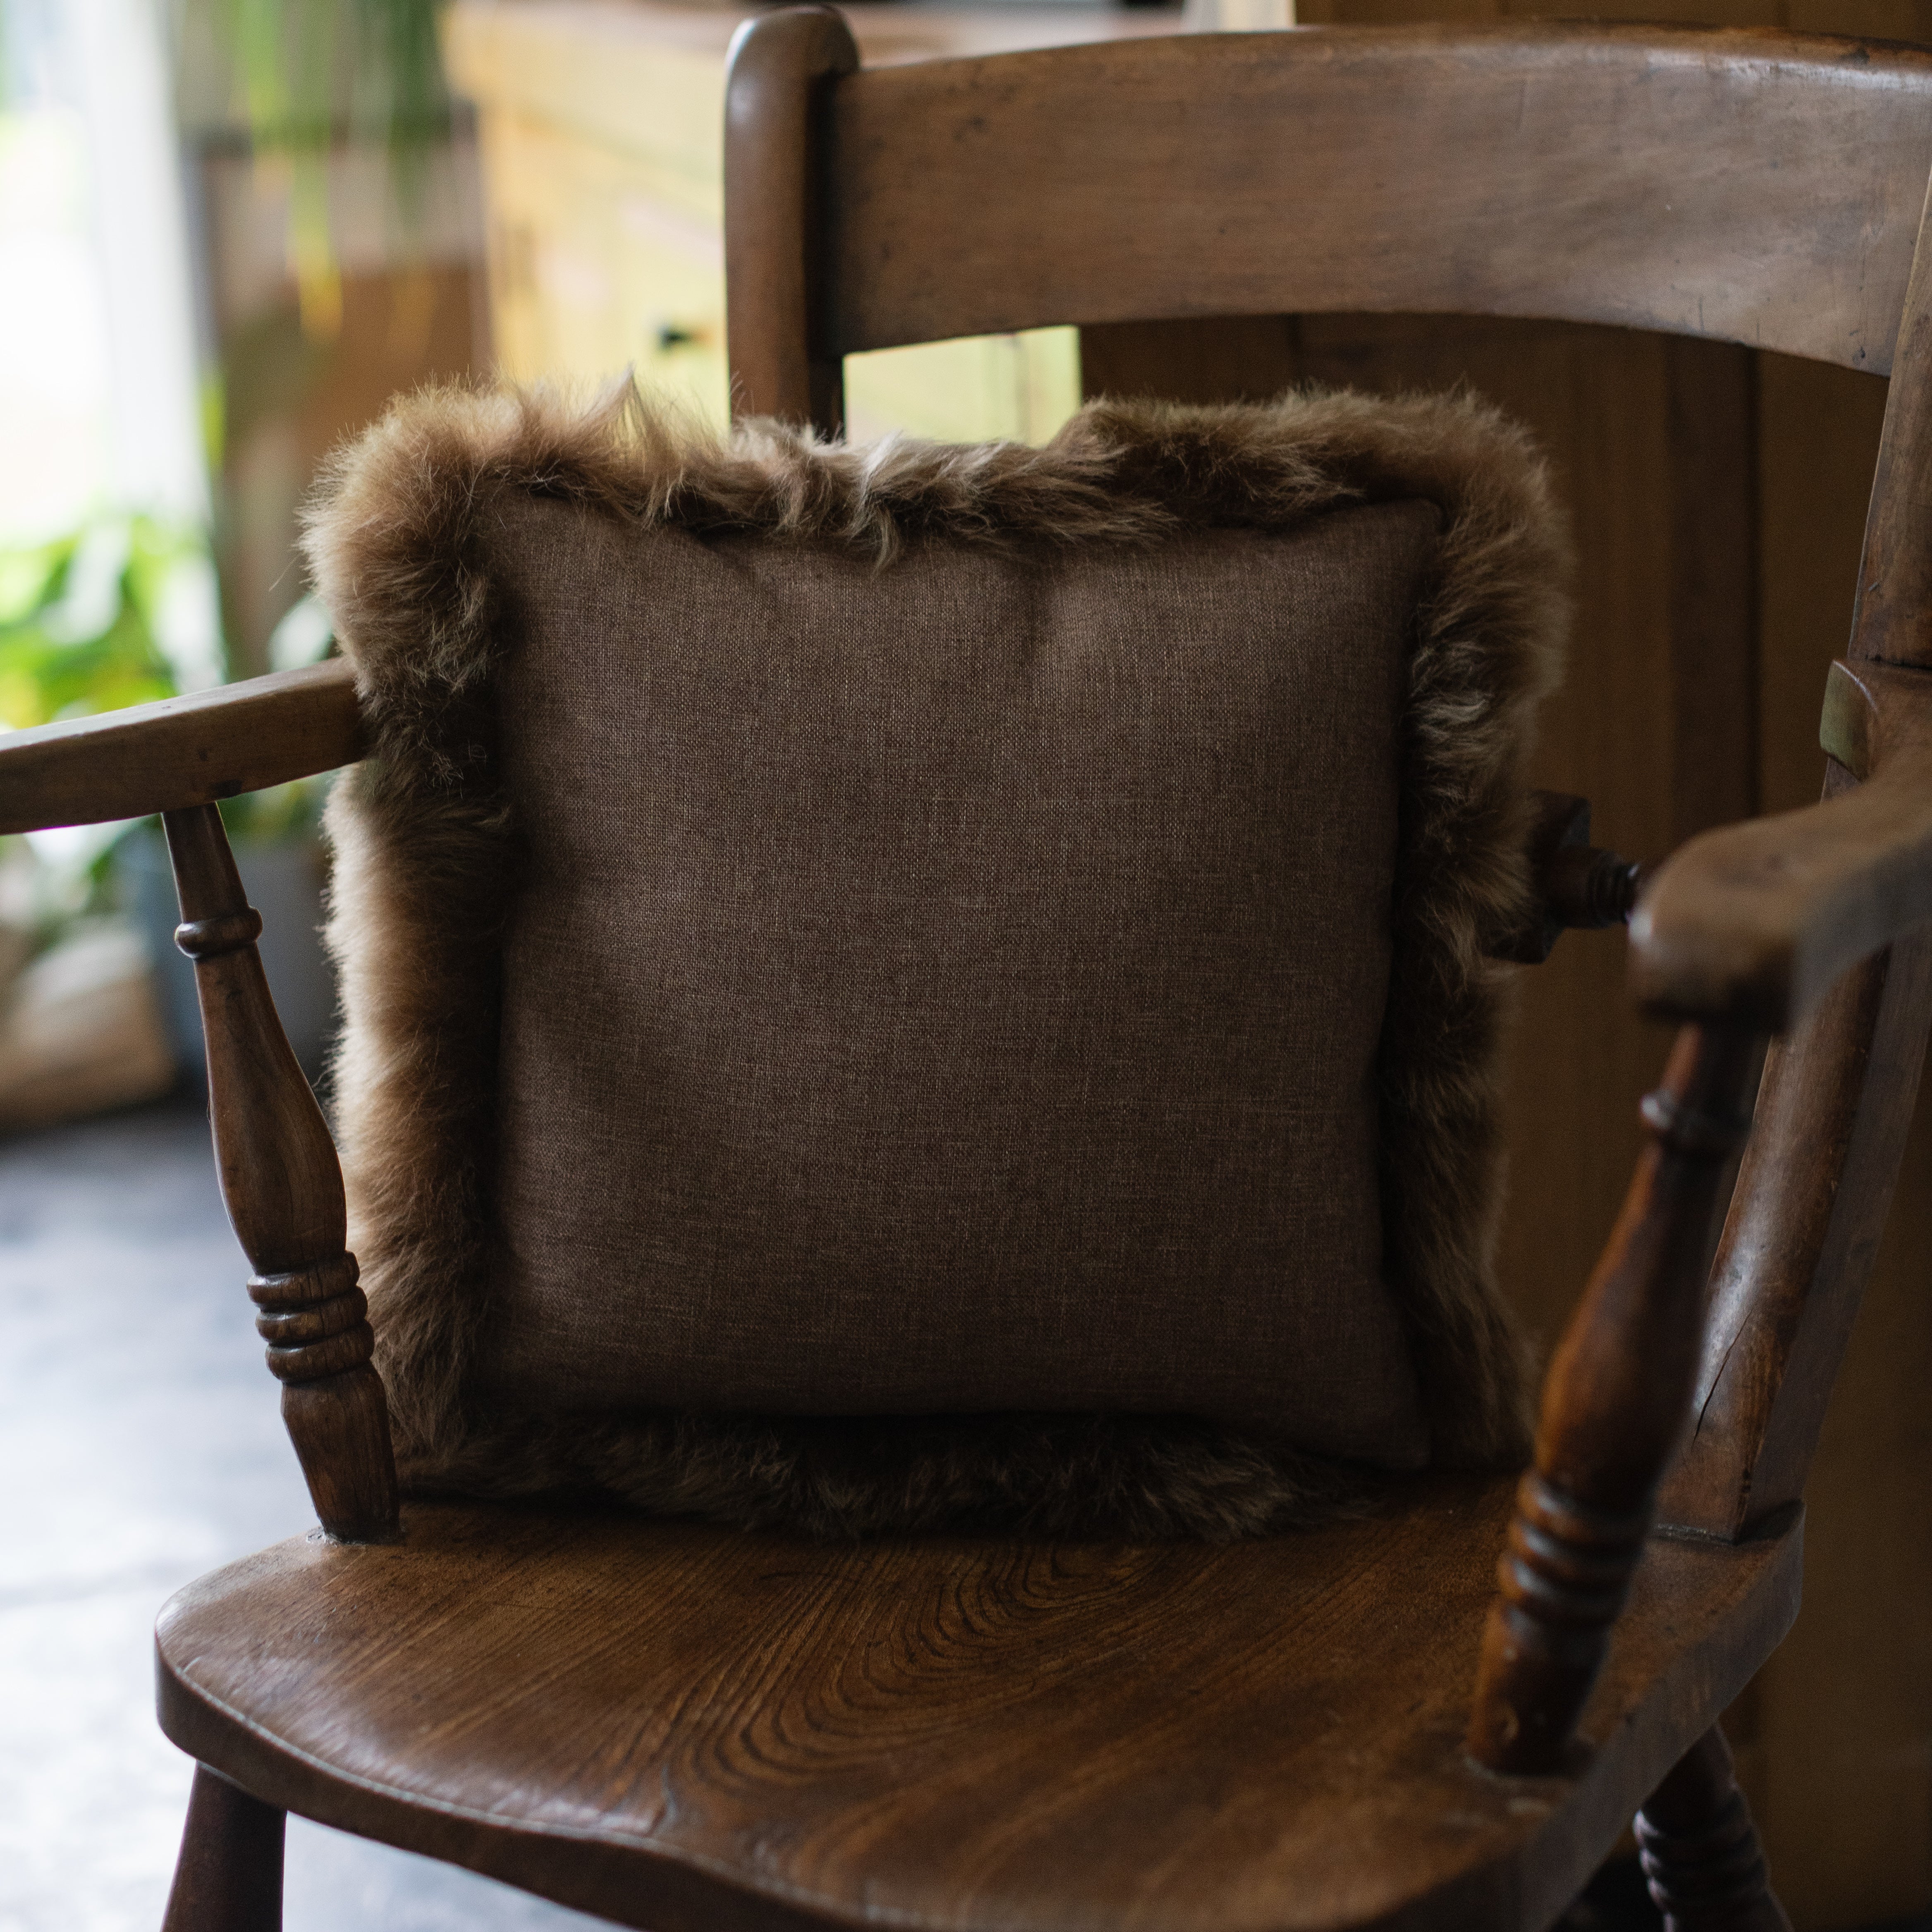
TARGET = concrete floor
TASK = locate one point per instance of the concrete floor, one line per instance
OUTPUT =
(142, 1445)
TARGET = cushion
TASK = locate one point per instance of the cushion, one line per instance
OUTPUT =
(919, 986)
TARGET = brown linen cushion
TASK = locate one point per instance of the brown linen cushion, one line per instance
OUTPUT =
(935, 985)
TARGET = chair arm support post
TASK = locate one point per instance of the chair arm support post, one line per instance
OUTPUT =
(283, 1185)
(1615, 1405)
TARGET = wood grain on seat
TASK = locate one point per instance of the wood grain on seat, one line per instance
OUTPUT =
(744, 1731)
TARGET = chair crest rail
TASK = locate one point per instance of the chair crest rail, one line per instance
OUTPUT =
(1644, 176)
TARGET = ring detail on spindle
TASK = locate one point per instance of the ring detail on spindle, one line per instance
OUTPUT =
(312, 1360)
(1707, 1876)
(1566, 1567)
(300, 1287)
(297, 1327)
(314, 1319)
(209, 938)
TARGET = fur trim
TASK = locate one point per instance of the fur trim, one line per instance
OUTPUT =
(424, 843)
(1146, 1479)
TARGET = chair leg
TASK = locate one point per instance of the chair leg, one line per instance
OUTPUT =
(1700, 1850)
(228, 1877)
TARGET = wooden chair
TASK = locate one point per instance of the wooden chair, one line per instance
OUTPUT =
(674, 1725)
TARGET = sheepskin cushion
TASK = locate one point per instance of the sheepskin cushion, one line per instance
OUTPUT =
(888, 987)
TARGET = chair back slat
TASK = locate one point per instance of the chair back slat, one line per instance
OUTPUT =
(1750, 186)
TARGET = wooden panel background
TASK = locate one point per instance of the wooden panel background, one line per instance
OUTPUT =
(1719, 496)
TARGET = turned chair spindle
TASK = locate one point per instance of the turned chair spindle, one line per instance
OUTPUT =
(1615, 1403)
(1700, 1850)
(283, 1186)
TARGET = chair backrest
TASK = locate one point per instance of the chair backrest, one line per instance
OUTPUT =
(1749, 186)
(1755, 187)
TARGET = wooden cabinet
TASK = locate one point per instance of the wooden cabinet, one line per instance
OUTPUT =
(601, 134)
(595, 267)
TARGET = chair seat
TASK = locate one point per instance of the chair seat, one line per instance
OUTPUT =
(683, 1727)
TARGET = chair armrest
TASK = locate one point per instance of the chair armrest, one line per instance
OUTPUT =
(1750, 925)
(181, 752)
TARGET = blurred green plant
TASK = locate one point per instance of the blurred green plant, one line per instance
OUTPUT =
(83, 620)
(118, 612)
(311, 73)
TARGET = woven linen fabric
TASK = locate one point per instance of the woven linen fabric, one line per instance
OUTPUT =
(927, 986)
(953, 987)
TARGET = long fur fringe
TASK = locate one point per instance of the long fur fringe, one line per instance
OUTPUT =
(424, 842)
